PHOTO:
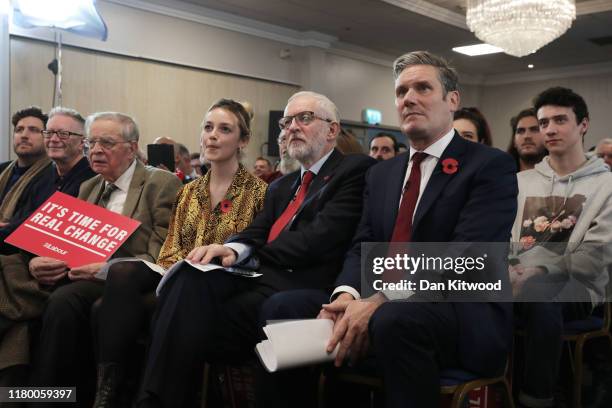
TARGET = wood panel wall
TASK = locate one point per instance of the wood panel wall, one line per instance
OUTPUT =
(165, 100)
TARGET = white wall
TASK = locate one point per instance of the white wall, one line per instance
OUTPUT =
(166, 100)
(138, 33)
(353, 79)
(154, 36)
(355, 85)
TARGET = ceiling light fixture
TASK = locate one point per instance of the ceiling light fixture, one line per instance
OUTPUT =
(477, 49)
(75, 16)
(5, 7)
(520, 27)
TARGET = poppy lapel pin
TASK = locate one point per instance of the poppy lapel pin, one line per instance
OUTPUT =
(226, 206)
(450, 165)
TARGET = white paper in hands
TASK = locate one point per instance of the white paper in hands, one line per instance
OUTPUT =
(296, 343)
(167, 274)
(245, 273)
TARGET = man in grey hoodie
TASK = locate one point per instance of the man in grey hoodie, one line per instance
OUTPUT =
(562, 230)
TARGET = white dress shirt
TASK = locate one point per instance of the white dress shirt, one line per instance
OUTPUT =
(118, 197)
(428, 165)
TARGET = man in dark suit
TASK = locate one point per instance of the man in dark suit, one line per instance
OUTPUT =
(460, 192)
(299, 239)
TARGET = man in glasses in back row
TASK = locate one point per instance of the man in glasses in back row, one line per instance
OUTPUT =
(300, 237)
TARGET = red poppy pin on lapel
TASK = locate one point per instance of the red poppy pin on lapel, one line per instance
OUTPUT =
(450, 165)
(226, 206)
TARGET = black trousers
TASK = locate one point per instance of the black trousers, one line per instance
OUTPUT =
(543, 324)
(200, 317)
(124, 311)
(63, 354)
(295, 387)
(412, 342)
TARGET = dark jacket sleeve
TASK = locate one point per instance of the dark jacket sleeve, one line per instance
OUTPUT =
(351, 270)
(32, 198)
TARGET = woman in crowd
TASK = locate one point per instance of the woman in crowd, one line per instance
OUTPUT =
(472, 125)
(207, 211)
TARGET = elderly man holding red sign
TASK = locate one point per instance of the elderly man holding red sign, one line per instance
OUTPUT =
(125, 186)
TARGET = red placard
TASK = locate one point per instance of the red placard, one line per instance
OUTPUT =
(73, 230)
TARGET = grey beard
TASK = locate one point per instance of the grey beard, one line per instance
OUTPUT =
(288, 165)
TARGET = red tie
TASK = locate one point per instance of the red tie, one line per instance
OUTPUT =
(403, 222)
(292, 208)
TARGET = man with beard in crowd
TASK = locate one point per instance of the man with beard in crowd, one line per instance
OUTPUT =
(526, 143)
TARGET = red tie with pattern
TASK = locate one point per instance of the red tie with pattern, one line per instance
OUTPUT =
(292, 208)
(403, 222)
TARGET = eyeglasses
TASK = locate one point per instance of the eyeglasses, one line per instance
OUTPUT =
(62, 134)
(105, 143)
(303, 118)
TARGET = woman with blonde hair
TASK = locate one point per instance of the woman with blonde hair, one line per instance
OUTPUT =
(207, 211)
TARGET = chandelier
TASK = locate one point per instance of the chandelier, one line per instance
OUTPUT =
(520, 27)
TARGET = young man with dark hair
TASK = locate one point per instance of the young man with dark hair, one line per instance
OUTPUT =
(566, 200)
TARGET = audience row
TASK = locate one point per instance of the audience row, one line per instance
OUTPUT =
(301, 227)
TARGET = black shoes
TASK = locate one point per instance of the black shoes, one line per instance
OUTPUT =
(109, 378)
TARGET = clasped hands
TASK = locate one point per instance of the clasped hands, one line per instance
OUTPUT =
(47, 271)
(351, 318)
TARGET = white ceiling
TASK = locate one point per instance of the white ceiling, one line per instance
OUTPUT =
(389, 28)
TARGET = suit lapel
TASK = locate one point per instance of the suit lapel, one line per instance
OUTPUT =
(134, 191)
(323, 177)
(393, 192)
(439, 179)
(285, 192)
(96, 191)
